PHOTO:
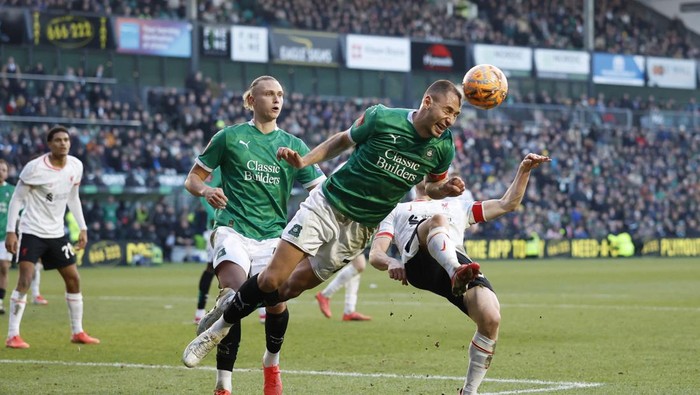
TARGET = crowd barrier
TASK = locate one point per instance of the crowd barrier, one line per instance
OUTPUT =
(139, 253)
(579, 248)
(122, 252)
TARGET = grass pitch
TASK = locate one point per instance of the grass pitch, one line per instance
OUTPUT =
(569, 327)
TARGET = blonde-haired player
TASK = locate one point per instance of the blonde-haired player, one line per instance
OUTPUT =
(251, 212)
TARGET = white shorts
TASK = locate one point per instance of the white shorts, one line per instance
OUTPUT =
(252, 255)
(4, 255)
(331, 239)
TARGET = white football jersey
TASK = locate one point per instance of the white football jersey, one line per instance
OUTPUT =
(50, 187)
(401, 223)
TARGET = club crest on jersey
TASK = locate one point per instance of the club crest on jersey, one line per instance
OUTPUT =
(295, 231)
(429, 153)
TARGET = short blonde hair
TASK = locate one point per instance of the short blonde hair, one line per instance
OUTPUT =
(247, 94)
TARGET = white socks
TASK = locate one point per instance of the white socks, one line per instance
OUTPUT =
(75, 311)
(17, 304)
(223, 380)
(351, 288)
(271, 359)
(481, 351)
(441, 247)
(343, 276)
(19, 301)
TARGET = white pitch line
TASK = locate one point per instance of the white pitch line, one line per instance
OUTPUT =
(610, 307)
(552, 385)
(390, 302)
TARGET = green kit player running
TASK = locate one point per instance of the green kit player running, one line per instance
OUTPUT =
(251, 212)
(394, 150)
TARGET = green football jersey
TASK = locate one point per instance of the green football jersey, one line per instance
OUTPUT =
(256, 183)
(5, 197)
(389, 159)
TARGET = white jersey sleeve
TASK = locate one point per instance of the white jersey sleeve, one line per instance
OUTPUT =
(50, 188)
(386, 227)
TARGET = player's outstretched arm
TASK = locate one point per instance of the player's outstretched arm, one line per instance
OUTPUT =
(328, 149)
(196, 186)
(495, 208)
(453, 186)
(381, 261)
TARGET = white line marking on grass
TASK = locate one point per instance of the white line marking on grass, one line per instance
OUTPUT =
(542, 305)
(550, 386)
(596, 306)
(389, 302)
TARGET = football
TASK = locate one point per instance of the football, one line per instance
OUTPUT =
(485, 86)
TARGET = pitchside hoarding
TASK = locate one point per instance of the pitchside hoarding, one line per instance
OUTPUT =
(72, 31)
(514, 61)
(215, 40)
(249, 44)
(444, 57)
(304, 47)
(561, 64)
(671, 73)
(578, 248)
(377, 53)
(154, 37)
(616, 69)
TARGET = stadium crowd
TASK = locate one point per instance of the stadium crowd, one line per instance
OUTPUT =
(620, 26)
(602, 179)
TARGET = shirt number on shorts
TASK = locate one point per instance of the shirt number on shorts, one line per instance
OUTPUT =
(68, 250)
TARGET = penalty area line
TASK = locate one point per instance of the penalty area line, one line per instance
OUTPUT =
(545, 386)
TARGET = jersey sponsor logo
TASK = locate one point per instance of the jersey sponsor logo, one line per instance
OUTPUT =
(398, 165)
(260, 172)
(295, 231)
(245, 143)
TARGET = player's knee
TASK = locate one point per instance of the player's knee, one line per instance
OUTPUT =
(438, 220)
(490, 321)
(279, 308)
(269, 281)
